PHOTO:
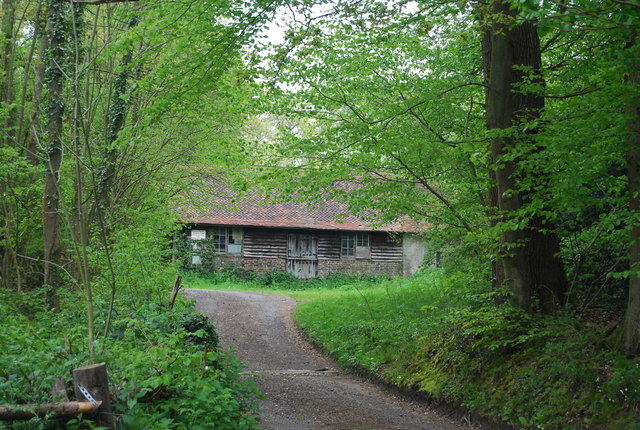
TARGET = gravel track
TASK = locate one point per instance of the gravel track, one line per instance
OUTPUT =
(304, 390)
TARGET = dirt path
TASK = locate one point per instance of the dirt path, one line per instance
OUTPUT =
(304, 390)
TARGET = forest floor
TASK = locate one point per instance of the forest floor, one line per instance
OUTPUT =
(304, 389)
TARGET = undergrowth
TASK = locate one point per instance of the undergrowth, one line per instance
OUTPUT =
(164, 367)
(235, 278)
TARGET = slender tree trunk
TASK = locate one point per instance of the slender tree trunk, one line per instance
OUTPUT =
(38, 84)
(5, 52)
(529, 263)
(117, 116)
(55, 111)
(27, 137)
(8, 19)
(631, 336)
(79, 222)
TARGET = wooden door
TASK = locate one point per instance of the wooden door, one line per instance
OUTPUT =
(302, 256)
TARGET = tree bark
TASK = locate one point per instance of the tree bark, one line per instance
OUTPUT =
(55, 111)
(631, 331)
(7, 250)
(63, 409)
(94, 378)
(529, 263)
(8, 19)
(497, 269)
(36, 99)
(117, 116)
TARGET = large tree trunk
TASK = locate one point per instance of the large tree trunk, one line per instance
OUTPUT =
(55, 110)
(529, 265)
(497, 269)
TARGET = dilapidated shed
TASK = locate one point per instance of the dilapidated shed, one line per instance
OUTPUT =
(307, 240)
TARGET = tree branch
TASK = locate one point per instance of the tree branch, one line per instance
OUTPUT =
(433, 191)
(627, 3)
(568, 96)
(98, 2)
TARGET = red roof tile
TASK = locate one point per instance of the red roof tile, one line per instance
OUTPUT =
(215, 203)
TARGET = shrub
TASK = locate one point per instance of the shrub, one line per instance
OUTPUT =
(277, 278)
(163, 367)
(199, 329)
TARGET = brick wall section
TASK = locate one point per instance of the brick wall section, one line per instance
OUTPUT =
(258, 265)
(223, 261)
(359, 267)
(325, 267)
(262, 265)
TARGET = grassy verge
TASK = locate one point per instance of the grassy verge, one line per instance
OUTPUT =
(457, 344)
(446, 335)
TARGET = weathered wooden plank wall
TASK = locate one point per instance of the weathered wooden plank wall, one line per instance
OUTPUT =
(329, 245)
(265, 243)
(384, 248)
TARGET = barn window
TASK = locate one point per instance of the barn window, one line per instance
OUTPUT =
(234, 240)
(227, 240)
(356, 245)
(348, 245)
(362, 239)
(219, 236)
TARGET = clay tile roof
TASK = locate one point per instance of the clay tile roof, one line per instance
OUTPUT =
(215, 203)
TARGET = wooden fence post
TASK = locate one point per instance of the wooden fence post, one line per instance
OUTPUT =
(94, 379)
(174, 292)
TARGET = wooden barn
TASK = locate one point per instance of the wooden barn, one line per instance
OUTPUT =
(303, 239)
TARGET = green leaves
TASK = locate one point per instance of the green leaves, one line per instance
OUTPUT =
(159, 377)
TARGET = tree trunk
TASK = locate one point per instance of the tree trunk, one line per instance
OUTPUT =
(117, 116)
(8, 18)
(95, 380)
(7, 250)
(631, 336)
(529, 263)
(55, 111)
(38, 83)
(497, 269)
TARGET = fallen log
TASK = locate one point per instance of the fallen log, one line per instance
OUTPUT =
(53, 410)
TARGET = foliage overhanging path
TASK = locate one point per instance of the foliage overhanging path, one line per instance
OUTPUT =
(301, 388)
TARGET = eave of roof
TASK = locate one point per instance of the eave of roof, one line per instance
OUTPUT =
(240, 222)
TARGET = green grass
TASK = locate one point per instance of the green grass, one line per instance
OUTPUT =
(283, 283)
(445, 334)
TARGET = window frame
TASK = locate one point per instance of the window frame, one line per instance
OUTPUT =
(361, 238)
(355, 245)
(347, 245)
(220, 239)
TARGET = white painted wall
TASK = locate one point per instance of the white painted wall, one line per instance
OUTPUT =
(414, 250)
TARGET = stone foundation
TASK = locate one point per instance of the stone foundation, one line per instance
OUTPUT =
(262, 265)
(224, 261)
(325, 267)
(359, 267)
